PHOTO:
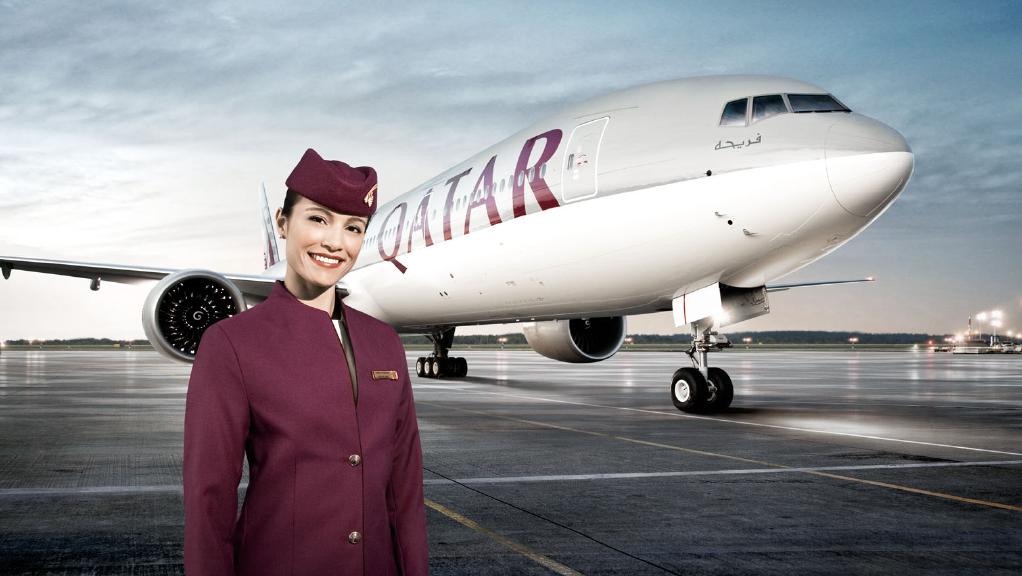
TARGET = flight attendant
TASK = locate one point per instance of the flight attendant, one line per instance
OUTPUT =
(317, 396)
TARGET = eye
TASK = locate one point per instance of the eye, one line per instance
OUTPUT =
(356, 229)
(317, 219)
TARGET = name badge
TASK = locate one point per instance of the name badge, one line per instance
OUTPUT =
(384, 374)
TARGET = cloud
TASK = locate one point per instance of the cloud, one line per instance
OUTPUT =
(141, 129)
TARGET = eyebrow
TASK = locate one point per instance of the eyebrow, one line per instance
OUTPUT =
(358, 219)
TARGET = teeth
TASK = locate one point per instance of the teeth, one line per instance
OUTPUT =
(325, 259)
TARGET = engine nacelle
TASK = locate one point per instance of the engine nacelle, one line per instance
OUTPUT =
(578, 339)
(183, 305)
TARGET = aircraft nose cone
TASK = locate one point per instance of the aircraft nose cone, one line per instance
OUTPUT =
(868, 164)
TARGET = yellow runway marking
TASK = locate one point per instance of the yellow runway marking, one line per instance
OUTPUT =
(740, 459)
(921, 491)
(552, 565)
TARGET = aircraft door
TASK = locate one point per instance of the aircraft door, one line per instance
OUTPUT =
(578, 180)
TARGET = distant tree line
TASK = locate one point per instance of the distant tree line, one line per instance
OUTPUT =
(77, 342)
(767, 337)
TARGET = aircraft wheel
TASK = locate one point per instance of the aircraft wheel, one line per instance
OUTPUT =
(688, 390)
(461, 367)
(433, 367)
(721, 390)
(420, 367)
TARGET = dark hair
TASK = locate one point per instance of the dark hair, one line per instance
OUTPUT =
(289, 202)
(291, 198)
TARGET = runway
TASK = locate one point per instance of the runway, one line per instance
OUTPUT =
(828, 463)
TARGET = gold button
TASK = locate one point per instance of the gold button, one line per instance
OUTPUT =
(354, 537)
(354, 459)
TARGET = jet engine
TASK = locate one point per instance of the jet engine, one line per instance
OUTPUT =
(577, 339)
(183, 305)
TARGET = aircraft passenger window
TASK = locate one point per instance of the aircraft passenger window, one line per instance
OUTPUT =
(764, 107)
(801, 103)
(734, 113)
(521, 178)
(571, 160)
(542, 171)
(530, 175)
(501, 184)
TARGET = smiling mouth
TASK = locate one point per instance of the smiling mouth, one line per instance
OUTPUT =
(325, 261)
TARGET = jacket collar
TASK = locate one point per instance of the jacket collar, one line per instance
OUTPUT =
(282, 295)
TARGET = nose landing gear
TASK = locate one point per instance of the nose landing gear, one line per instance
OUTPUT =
(701, 388)
(439, 363)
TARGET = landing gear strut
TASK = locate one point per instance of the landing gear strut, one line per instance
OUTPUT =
(439, 363)
(702, 388)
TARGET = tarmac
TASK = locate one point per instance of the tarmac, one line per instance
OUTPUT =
(837, 462)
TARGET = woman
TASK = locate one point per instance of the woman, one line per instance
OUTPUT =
(317, 395)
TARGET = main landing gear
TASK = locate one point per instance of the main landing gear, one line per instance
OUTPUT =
(439, 363)
(701, 388)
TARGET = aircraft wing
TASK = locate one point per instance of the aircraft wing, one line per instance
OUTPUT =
(249, 284)
(780, 287)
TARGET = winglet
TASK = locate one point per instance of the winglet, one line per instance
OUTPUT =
(271, 253)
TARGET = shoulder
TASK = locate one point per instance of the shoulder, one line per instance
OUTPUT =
(240, 328)
(367, 323)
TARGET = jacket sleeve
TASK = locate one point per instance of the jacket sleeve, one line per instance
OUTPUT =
(215, 430)
(405, 488)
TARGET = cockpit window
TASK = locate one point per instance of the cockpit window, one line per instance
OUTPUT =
(766, 106)
(734, 113)
(801, 103)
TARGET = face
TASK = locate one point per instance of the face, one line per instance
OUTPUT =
(315, 230)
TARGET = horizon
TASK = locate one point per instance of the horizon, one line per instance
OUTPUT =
(628, 335)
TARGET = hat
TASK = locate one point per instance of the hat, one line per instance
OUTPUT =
(334, 184)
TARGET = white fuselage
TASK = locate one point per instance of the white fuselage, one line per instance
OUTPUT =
(619, 216)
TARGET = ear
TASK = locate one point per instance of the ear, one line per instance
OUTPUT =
(281, 221)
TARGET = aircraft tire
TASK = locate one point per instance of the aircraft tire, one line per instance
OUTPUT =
(724, 391)
(433, 367)
(461, 367)
(420, 367)
(688, 390)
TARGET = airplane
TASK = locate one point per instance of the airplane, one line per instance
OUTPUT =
(688, 195)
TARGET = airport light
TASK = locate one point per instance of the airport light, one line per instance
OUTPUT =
(629, 340)
(854, 340)
(502, 340)
(995, 324)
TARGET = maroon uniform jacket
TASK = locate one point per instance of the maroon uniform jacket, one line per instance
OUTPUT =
(335, 487)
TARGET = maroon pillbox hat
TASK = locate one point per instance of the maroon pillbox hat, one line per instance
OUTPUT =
(334, 184)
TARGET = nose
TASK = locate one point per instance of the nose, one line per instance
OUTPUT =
(868, 164)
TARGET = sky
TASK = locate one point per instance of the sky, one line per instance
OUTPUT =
(140, 133)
